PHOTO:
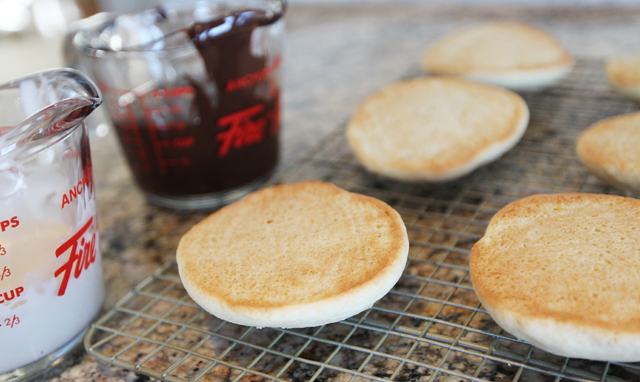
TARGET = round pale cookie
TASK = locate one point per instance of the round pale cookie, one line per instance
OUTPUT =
(513, 55)
(435, 129)
(610, 149)
(623, 75)
(294, 255)
(562, 272)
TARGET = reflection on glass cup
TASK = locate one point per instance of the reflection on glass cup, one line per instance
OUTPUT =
(193, 90)
(50, 269)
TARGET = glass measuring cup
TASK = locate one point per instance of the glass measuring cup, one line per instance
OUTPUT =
(193, 91)
(50, 268)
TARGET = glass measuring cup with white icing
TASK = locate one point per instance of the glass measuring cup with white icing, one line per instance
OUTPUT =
(51, 283)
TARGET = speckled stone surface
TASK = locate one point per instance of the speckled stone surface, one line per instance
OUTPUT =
(336, 55)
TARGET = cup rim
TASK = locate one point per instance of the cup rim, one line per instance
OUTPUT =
(100, 20)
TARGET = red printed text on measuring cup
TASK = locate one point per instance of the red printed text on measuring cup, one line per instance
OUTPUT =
(243, 128)
(12, 222)
(82, 247)
(252, 78)
(77, 189)
(11, 294)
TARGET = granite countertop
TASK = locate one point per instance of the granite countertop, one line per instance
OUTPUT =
(335, 56)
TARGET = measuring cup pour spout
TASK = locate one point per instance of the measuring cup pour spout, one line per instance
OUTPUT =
(40, 110)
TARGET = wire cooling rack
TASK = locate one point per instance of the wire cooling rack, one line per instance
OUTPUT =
(431, 326)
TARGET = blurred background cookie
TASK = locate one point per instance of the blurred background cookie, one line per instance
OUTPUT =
(513, 55)
(435, 129)
(561, 272)
(623, 75)
(610, 149)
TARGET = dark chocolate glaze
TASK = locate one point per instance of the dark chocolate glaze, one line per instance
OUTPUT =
(206, 166)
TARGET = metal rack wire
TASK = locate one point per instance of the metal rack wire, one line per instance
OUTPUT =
(431, 326)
